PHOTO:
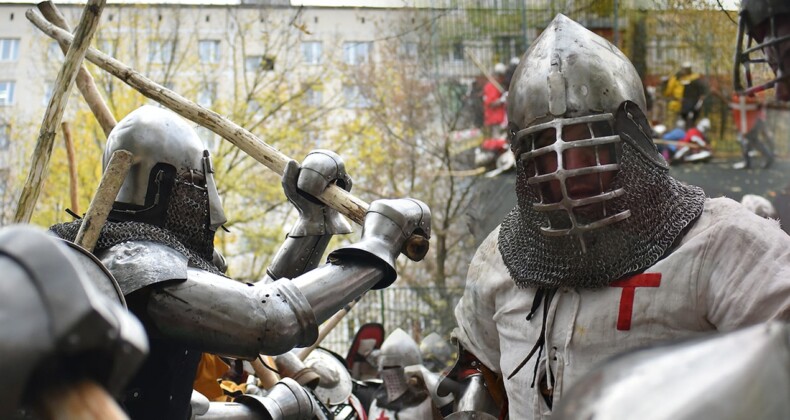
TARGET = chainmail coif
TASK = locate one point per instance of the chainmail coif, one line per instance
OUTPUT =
(661, 209)
(185, 228)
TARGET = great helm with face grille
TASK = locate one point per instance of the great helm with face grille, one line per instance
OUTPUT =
(399, 350)
(570, 77)
(758, 21)
(166, 151)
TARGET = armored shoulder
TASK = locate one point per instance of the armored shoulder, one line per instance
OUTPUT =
(138, 264)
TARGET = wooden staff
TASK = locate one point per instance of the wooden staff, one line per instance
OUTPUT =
(73, 187)
(267, 377)
(99, 209)
(84, 80)
(46, 138)
(328, 326)
(334, 196)
(84, 400)
(485, 72)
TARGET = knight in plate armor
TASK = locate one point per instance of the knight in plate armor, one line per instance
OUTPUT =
(604, 251)
(401, 396)
(158, 243)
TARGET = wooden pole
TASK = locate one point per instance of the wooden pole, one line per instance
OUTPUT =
(46, 138)
(266, 376)
(84, 400)
(84, 80)
(484, 70)
(100, 206)
(73, 187)
(326, 328)
(335, 197)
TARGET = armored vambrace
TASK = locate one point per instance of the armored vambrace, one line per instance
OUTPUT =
(214, 314)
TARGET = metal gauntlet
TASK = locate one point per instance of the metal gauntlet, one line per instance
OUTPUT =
(388, 225)
(307, 241)
(319, 169)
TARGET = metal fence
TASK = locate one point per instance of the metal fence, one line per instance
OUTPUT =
(416, 310)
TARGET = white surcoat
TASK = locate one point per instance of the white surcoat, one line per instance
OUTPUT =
(731, 269)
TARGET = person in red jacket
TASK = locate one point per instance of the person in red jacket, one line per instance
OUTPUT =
(694, 146)
(494, 100)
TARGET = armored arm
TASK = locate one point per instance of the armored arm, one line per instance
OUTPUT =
(287, 400)
(215, 314)
(475, 385)
(307, 241)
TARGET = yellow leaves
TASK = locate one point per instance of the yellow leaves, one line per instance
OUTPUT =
(302, 27)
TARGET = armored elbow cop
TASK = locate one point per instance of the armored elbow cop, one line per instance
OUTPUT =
(388, 226)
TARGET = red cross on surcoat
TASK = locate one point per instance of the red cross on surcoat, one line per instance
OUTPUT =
(629, 286)
(383, 416)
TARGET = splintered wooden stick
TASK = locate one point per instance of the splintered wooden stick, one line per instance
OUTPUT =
(73, 187)
(60, 97)
(100, 206)
(84, 80)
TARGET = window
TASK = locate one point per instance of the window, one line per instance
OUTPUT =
(9, 49)
(5, 136)
(314, 96)
(207, 94)
(258, 62)
(48, 88)
(409, 50)
(311, 52)
(355, 53)
(161, 51)
(354, 97)
(6, 93)
(457, 53)
(208, 50)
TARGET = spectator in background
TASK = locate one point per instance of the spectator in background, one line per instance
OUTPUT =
(749, 117)
(474, 98)
(494, 100)
(694, 147)
(672, 137)
(686, 91)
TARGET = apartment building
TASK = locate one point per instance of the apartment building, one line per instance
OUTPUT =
(219, 54)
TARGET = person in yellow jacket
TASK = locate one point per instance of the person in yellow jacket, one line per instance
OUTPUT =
(685, 90)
